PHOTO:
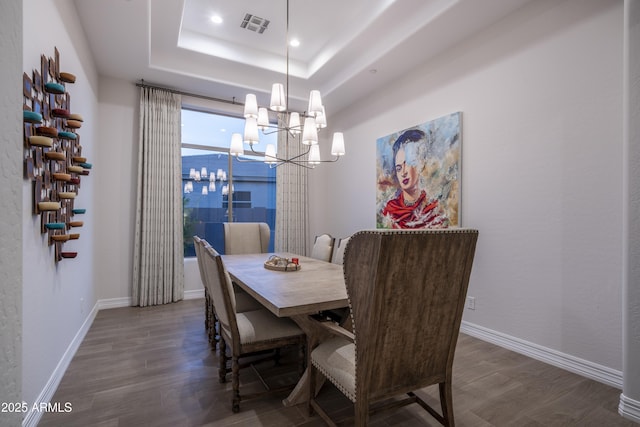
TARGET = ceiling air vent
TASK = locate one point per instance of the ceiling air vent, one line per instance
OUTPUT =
(254, 23)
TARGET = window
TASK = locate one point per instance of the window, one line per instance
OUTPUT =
(206, 172)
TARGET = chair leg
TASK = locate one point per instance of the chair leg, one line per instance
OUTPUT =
(222, 365)
(235, 380)
(361, 410)
(302, 354)
(446, 403)
(206, 311)
(213, 325)
(312, 387)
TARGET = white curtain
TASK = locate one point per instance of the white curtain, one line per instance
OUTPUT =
(158, 257)
(292, 203)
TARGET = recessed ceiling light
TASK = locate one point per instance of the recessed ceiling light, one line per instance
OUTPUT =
(216, 19)
(294, 43)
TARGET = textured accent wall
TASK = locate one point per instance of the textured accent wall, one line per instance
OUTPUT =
(11, 196)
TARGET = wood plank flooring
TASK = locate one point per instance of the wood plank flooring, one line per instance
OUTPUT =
(153, 367)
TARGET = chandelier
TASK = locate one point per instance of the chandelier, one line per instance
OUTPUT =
(302, 126)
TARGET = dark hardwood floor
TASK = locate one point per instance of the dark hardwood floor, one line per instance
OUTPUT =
(154, 367)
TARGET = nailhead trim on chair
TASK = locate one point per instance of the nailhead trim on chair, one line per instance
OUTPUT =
(335, 382)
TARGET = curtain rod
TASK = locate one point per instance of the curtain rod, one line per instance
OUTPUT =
(195, 95)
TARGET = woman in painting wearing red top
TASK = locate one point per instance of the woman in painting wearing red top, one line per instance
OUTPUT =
(411, 208)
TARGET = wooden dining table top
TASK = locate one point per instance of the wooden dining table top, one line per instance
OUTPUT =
(316, 286)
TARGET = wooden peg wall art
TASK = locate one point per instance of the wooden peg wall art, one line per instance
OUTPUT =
(53, 159)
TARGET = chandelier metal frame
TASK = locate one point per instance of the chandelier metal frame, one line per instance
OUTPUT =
(306, 133)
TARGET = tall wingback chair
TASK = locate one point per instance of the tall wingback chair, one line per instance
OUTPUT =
(323, 247)
(246, 238)
(406, 291)
(245, 333)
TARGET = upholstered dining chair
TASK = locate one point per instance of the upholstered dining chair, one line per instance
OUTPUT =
(406, 292)
(248, 332)
(209, 316)
(338, 250)
(322, 247)
(246, 238)
(244, 301)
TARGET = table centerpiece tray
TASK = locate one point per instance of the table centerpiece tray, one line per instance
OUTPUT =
(277, 263)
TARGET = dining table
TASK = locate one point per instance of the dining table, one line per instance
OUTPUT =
(315, 286)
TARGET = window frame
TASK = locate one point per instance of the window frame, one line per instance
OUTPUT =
(213, 149)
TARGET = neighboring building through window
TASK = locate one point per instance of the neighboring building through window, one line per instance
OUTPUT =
(205, 152)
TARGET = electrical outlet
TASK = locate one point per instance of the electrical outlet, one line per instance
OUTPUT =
(471, 303)
(81, 305)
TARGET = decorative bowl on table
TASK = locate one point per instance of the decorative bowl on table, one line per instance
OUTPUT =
(277, 263)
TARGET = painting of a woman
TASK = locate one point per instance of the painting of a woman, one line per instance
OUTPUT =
(418, 177)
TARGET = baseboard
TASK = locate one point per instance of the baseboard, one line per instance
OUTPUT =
(104, 304)
(629, 408)
(194, 294)
(33, 416)
(570, 363)
(127, 301)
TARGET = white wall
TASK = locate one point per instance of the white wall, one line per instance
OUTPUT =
(58, 298)
(116, 208)
(11, 196)
(541, 97)
(630, 398)
(117, 180)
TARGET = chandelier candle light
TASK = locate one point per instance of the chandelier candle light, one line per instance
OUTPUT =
(257, 118)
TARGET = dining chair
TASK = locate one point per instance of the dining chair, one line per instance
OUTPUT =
(406, 292)
(209, 316)
(244, 301)
(322, 247)
(246, 333)
(246, 238)
(338, 250)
